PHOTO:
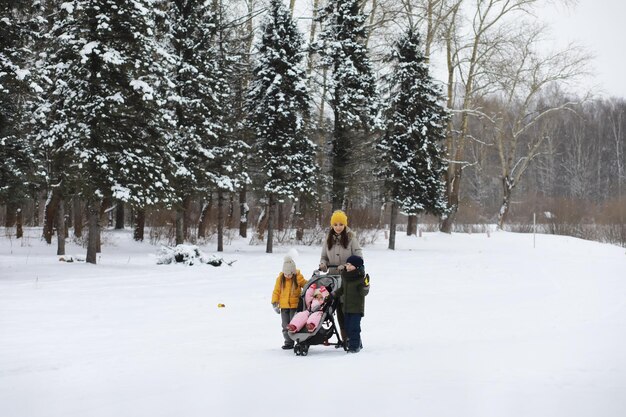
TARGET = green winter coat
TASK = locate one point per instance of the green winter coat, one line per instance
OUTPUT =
(353, 290)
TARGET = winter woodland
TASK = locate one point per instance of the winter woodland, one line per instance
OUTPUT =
(192, 121)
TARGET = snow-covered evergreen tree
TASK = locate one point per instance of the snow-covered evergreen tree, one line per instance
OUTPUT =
(229, 167)
(201, 92)
(412, 156)
(279, 103)
(108, 125)
(352, 89)
(19, 95)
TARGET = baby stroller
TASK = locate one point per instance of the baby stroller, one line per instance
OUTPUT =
(327, 328)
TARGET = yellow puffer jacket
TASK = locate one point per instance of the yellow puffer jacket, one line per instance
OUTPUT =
(288, 296)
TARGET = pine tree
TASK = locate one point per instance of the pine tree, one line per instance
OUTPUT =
(352, 90)
(279, 104)
(229, 167)
(20, 164)
(108, 126)
(200, 95)
(412, 158)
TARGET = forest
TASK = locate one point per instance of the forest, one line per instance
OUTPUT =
(193, 121)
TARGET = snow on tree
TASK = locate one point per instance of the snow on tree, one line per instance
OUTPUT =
(352, 89)
(412, 158)
(108, 124)
(279, 104)
(201, 92)
(20, 171)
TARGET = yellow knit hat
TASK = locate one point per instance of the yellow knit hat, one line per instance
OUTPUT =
(339, 217)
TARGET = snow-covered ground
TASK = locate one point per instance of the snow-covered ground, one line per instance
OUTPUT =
(456, 325)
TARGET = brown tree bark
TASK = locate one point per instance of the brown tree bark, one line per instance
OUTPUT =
(411, 227)
(205, 216)
(50, 213)
(244, 210)
(60, 221)
(93, 240)
(393, 220)
(19, 230)
(77, 211)
(269, 247)
(220, 221)
(140, 224)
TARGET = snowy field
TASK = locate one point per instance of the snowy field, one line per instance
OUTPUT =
(456, 325)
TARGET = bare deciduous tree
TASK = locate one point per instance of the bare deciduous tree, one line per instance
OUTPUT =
(522, 76)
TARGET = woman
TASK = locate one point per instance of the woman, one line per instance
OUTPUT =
(341, 243)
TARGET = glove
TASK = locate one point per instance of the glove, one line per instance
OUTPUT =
(341, 267)
(276, 308)
(323, 267)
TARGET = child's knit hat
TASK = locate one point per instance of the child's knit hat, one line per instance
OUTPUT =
(289, 266)
(355, 261)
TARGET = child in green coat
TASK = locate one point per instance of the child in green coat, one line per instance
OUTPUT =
(354, 287)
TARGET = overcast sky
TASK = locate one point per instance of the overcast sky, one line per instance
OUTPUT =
(600, 26)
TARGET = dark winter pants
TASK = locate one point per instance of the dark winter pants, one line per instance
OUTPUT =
(352, 322)
(286, 314)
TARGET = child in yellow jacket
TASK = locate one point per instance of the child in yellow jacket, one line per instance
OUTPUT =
(286, 295)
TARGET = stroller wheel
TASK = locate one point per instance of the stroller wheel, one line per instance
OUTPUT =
(304, 350)
(297, 350)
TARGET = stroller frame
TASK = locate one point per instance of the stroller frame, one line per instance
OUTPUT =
(327, 327)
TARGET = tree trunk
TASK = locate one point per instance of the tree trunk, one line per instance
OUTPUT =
(94, 231)
(69, 216)
(281, 217)
(300, 215)
(61, 229)
(448, 220)
(119, 216)
(261, 224)
(186, 217)
(19, 230)
(205, 216)
(52, 205)
(66, 230)
(243, 212)
(411, 227)
(179, 225)
(453, 198)
(506, 204)
(140, 224)
(231, 210)
(78, 216)
(270, 226)
(220, 221)
(392, 225)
